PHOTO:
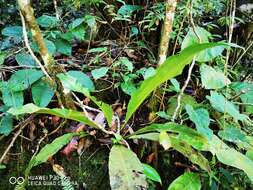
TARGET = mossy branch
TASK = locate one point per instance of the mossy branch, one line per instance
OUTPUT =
(50, 65)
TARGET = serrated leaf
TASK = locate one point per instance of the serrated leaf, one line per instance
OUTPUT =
(23, 79)
(221, 104)
(201, 119)
(212, 79)
(172, 67)
(187, 181)
(151, 173)
(6, 125)
(42, 93)
(125, 169)
(82, 79)
(99, 73)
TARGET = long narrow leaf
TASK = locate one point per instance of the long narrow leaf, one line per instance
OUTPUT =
(64, 113)
(172, 67)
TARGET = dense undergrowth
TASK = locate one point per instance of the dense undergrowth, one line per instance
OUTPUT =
(84, 103)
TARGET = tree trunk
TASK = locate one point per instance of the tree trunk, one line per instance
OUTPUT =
(50, 65)
(166, 30)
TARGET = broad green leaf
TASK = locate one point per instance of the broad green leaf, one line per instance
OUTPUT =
(230, 156)
(191, 38)
(187, 181)
(194, 156)
(128, 9)
(25, 59)
(125, 169)
(221, 104)
(124, 61)
(2, 57)
(64, 113)
(128, 86)
(71, 83)
(13, 31)
(23, 79)
(186, 99)
(75, 23)
(201, 119)
(212, 79)
(235, 135)
(63, 46)
(172, 67)
(82, 79)
(184, 133)
(90, 20)
(6, 125)
(78, 32)
(246, 91)
(10, 97)
(47, 21)
(49, 44)
(42, 93)
(151, 173)
(99, 73)
(50, 149)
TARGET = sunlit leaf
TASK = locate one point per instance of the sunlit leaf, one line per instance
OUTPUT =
(151, 173)
(99, 73)
(212, 79)
(202, 37)
(125, 169)
(187, 181)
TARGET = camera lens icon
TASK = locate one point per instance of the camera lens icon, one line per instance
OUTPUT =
(16, 180)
